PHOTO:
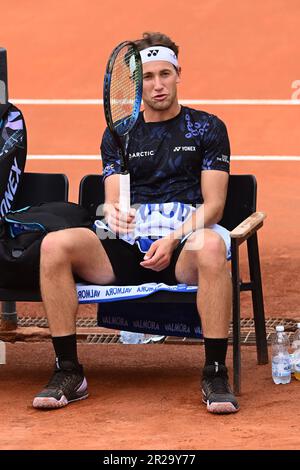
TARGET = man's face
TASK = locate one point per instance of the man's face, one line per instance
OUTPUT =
(159, 85)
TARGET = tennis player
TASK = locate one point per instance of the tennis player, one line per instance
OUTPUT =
(179, 166)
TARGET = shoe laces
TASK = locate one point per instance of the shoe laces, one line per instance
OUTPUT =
(217, 379)
(218, 384)
(58, 379)
(62, 376)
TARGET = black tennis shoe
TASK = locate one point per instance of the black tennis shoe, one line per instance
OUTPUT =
(66, 385)
(216, 392)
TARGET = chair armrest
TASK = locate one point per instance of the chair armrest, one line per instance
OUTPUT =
(250, 225)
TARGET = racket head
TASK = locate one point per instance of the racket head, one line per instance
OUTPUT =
(123, 88)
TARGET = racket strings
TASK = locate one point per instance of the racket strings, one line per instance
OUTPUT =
(123, 88)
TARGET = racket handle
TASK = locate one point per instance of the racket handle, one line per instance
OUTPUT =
(124, 192)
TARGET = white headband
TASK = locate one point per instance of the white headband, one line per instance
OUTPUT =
(159, 53)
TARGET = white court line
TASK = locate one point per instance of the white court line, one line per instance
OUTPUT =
(230, 102)
(63, 157)
(272, 158)
(233, 157)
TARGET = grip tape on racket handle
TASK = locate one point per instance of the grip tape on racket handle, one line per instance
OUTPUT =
(124, 201)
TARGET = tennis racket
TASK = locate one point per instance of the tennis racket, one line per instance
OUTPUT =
(122, 96)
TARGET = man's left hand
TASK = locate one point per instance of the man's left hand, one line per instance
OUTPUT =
(159, 255)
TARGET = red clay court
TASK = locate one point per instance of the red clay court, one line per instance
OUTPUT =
(239, 61)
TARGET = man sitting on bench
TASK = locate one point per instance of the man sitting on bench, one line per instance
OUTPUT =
(179, 165)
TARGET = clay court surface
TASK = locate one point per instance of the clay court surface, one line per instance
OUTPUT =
(148, 397)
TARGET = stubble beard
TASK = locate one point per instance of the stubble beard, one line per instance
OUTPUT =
(162, 105)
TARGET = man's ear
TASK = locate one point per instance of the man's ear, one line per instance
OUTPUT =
(178, 75)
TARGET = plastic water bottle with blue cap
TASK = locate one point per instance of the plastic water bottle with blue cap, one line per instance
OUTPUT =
(281, 361)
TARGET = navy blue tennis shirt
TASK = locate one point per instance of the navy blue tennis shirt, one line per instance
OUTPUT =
(166, 158)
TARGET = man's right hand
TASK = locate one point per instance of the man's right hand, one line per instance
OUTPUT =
(121, 223)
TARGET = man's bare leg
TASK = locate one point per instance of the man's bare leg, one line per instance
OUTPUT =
(205, 265)
(64, 253)
(203, 262)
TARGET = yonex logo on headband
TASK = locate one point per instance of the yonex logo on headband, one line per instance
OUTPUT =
(159, 53)
(152, 52)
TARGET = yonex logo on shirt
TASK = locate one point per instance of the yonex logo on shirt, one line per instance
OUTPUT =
(184, 149)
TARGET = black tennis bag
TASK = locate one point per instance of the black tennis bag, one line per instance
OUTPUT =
(13, 152)
(21, 235)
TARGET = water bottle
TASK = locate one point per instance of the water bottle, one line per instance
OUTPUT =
(281, 361)
(151, 339)
(295, 356)
(129, 337)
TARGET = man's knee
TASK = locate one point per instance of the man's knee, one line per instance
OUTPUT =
(62, 245)
(209, 250)
(55, 247)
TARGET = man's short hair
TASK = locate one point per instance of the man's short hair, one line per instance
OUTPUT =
(156, 39)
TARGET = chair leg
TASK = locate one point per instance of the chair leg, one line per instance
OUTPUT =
(236, 322)
(9, 317)
(257, 300)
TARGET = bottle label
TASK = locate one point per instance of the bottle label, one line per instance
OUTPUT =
(281, 368)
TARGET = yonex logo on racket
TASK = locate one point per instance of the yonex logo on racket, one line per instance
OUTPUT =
(153, 52)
